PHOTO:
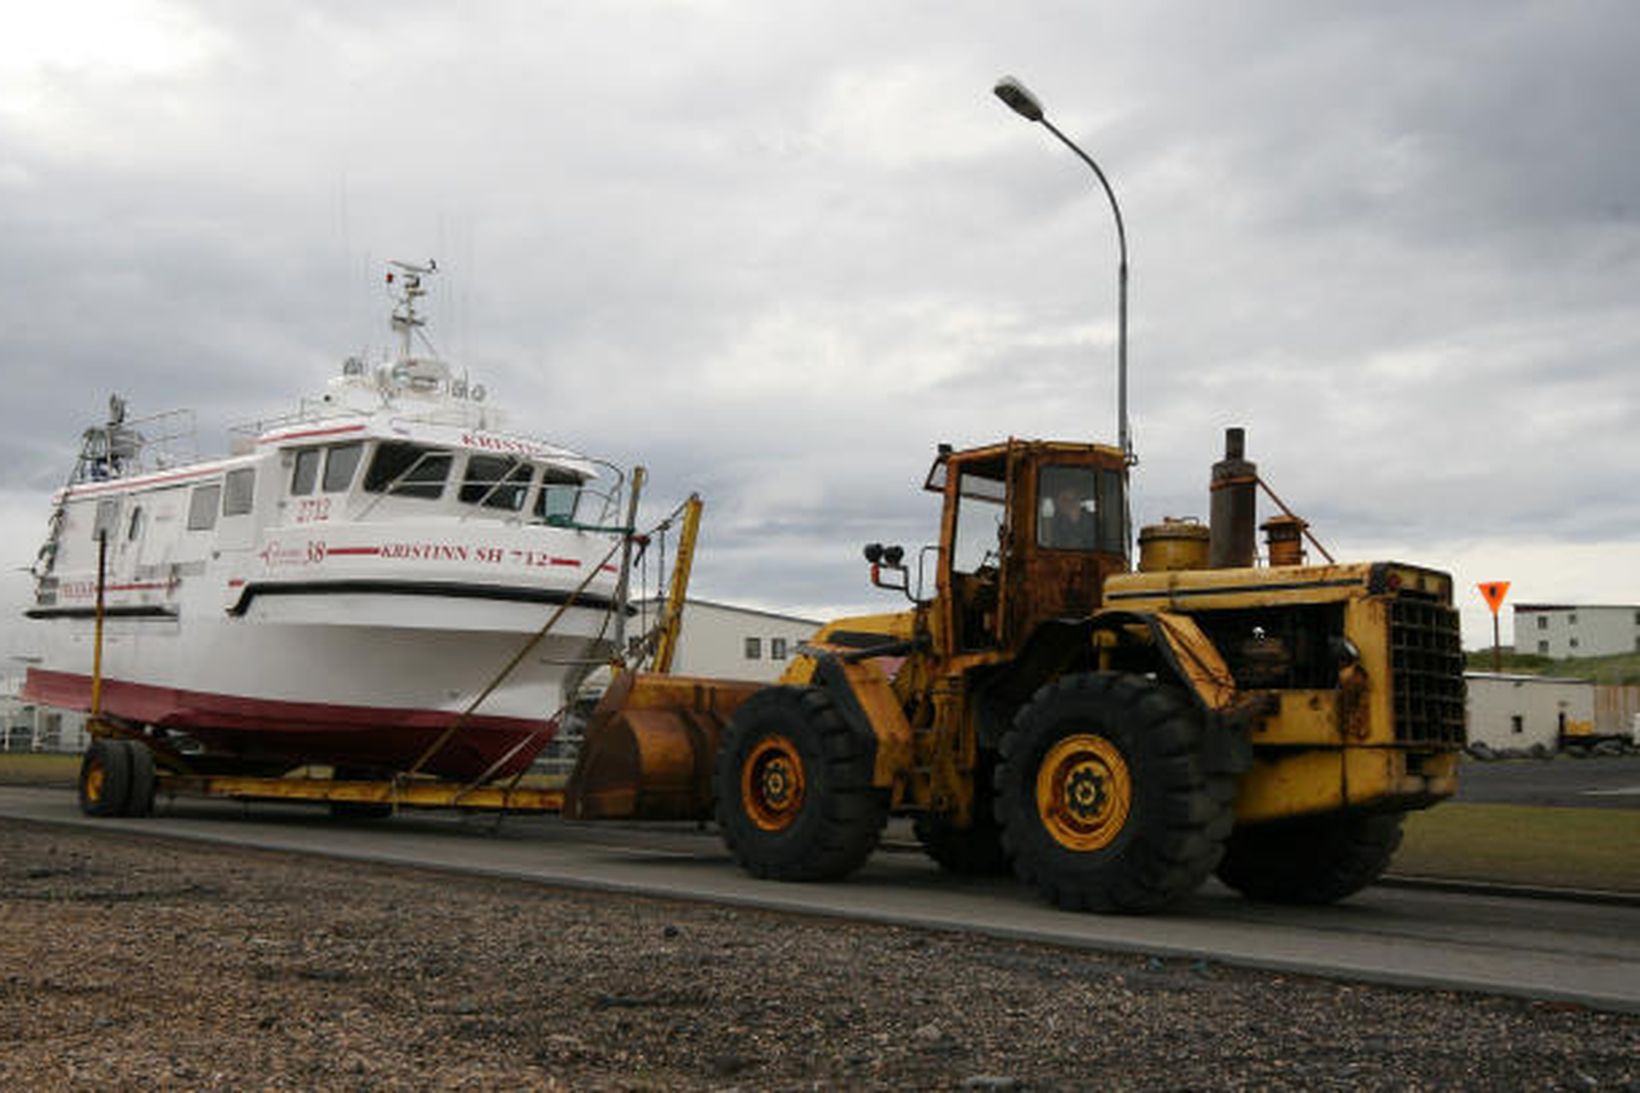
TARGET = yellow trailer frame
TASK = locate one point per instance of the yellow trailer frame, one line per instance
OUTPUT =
(416, 793)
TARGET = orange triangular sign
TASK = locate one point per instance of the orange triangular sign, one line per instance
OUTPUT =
(1494, 591)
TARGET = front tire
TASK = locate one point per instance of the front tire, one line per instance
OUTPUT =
(1316, 860)
(1102, 798)
(793, 783)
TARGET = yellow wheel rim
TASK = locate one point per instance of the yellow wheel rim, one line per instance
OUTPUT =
(772, 786)
(1084, 792)
(94, 780)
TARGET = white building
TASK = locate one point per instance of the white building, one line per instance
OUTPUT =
(27, 727)
(1520, 712)
(730, 642)
(1576, 630)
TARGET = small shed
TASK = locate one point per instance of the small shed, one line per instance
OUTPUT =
(1520, 712)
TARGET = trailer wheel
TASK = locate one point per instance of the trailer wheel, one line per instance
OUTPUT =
(793, 784)
(139, 800)
(105, 777)
(974, 851)
(1102, 798)
(1320, 859)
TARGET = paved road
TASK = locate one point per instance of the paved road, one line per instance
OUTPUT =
(1540, 949)
(1563, 781)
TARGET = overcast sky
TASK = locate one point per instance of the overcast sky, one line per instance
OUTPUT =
(778, 251)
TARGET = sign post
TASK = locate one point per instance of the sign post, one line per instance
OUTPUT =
(1494, 591)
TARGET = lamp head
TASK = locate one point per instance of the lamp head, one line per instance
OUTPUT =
(1019, 98)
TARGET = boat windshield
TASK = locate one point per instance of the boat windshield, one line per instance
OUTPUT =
(408, 470)
(496, 482)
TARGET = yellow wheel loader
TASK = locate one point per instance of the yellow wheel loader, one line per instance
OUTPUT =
(1111, 734)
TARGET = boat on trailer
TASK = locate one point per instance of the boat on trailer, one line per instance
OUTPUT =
(387, 581)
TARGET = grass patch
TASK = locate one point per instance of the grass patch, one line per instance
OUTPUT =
(1617, 669)
(39, 768)
(1524, 844)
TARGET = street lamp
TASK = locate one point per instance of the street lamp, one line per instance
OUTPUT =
(1028, 106)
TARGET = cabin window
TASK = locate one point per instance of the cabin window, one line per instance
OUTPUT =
(340, 463)
(1080, 508)
(559, 497)
(202, 507)
(239, 490)
(408, 470)
(306, 474)
(496, 482)
(979, 522)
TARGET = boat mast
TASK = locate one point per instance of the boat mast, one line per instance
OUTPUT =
(405, 320)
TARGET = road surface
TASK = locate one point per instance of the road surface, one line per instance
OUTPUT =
(1545, 949)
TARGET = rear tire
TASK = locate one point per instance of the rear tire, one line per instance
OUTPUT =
(105, 777)
(1320, 859)
(1102, 798)
(793, 783)
(974, 851)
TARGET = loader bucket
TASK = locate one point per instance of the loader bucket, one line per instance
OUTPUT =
(650, 746)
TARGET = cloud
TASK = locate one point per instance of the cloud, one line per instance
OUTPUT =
(778, 252)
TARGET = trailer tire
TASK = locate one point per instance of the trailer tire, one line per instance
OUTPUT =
(1102, 796)
(793, 785)
(139, 798)
(1316, 860)
(105, 777)
(973, 851)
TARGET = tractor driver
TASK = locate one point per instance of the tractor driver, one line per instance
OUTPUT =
(1071, 526)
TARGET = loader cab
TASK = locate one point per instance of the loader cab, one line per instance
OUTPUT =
(1030, 531)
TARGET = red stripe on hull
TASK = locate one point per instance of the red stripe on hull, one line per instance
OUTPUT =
(308, 732)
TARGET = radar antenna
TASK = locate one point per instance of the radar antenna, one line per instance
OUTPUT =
(405, 320)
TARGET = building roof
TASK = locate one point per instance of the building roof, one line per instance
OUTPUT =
(693, 601)
(1577, 607)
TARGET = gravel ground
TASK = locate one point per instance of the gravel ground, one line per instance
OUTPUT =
(140, 963)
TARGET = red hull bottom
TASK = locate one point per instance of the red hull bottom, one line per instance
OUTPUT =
(370, 738)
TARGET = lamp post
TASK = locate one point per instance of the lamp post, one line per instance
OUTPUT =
(1026, 105)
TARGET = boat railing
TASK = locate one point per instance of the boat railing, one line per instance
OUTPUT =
(130, 446)
(243, 437)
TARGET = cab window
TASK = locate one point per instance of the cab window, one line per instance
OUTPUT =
(1067, 508)
(980, 516)
(408, 470)
(496, 482)
(1080, 508)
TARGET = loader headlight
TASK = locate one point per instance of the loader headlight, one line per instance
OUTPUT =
(874, 552)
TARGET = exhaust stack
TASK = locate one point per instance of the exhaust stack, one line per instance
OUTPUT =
(1233, 510)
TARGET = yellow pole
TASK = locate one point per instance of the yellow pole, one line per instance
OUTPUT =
(673, 621)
